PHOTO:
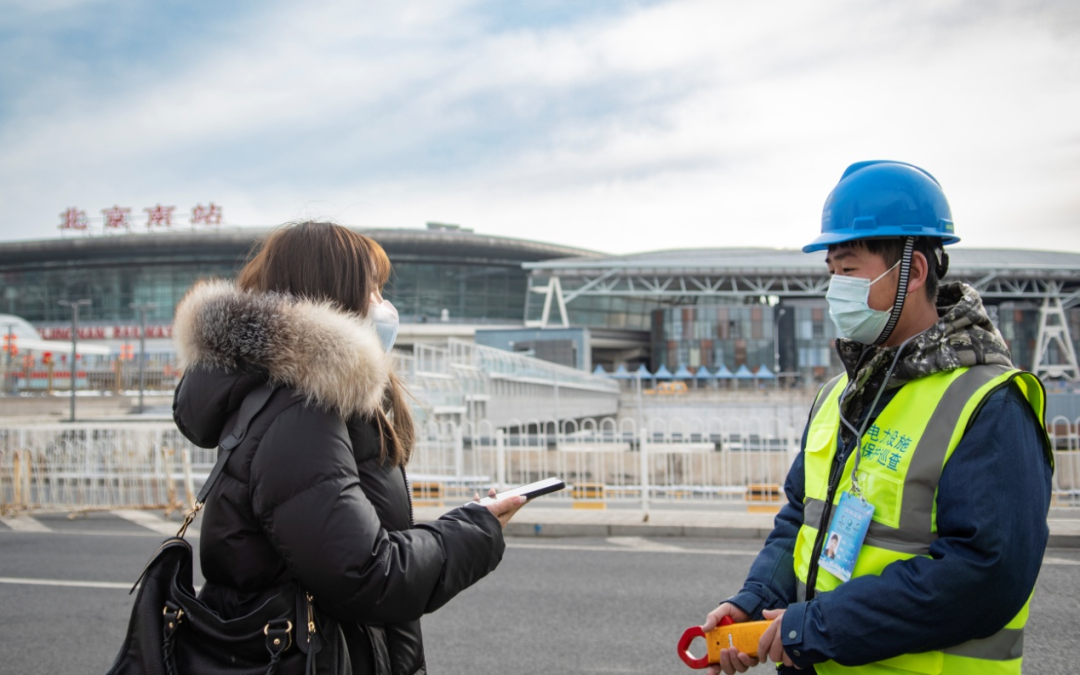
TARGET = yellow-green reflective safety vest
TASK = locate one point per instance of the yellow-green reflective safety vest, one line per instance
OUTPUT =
(903, 454)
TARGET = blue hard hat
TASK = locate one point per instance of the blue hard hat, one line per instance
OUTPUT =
(884, 199)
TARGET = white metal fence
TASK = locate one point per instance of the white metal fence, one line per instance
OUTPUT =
(462, 380)
(1065, 435)
(77, 467)
(707, 459)
(81, 467)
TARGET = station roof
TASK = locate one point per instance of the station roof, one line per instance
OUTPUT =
(461, 245)
(794, 261)
(450, 244)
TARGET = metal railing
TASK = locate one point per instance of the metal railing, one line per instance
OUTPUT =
(87, 467)
(710, 459)
(83, 467)
(105, 375)
(1065, 438)
(463, 381)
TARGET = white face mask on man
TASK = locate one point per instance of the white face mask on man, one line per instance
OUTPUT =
(850, 309)
(385, 317)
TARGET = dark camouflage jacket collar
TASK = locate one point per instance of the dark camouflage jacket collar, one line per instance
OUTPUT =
(963, 336)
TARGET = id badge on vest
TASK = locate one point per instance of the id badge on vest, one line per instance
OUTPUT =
(848, 529)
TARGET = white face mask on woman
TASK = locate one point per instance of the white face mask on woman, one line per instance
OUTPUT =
(850, 309)
(385, 317)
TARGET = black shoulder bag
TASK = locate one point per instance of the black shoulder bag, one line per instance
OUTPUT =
(172, 632)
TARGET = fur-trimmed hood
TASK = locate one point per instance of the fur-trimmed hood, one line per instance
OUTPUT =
(331, 357)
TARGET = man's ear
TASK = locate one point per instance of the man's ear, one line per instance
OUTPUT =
(919, 270)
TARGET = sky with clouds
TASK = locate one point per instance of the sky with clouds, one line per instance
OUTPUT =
(619, 126)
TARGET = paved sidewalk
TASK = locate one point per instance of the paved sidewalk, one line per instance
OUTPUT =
(721, 522)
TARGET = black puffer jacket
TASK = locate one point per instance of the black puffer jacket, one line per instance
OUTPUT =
(305, 495)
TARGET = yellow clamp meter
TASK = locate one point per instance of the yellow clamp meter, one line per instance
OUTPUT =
(742, 636)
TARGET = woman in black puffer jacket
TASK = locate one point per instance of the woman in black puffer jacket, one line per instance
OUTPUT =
(317, 492)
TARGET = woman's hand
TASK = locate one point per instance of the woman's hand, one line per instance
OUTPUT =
(504, 509)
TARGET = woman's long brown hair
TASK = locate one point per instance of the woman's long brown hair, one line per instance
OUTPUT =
(327, 262)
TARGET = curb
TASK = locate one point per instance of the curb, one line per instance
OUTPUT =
(730, 525)
(539, 529)
(1063, 541)
(522, 528)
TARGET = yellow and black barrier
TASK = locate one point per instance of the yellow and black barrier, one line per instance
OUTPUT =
(763, 497)
(588, 496)
(428, 493)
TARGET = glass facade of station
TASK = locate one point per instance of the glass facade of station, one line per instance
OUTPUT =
(811, 340)
(457, 292)
(617, 312)
(802, 335)
(1019, 325)
(111, 286)
(475, 280)
(421, 291)
(456, 279)
(799, 335)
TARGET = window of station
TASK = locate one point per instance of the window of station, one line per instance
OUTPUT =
(421, 291)
(593, 311)
(741, 334)
(711, 335)
(1018, 323)
(112, 289)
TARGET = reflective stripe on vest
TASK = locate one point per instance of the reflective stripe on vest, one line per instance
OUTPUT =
(904, 452)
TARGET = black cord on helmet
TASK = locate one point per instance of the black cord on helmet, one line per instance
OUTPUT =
(901, 291)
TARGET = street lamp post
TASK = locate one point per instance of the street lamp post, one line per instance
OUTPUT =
(74, 305)
(10, 349)
(776, 342)
(142, 309)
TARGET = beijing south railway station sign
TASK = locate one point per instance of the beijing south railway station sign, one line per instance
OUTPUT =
(119, 218)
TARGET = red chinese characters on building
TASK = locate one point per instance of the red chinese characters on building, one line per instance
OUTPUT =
(159, 216)
(207, 215)
(117, 218)
(73, 219)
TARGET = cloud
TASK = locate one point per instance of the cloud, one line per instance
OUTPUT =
(635, 126)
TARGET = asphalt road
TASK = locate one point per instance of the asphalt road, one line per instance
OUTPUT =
(555, 605)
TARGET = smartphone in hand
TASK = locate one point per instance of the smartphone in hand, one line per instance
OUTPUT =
(531, 490)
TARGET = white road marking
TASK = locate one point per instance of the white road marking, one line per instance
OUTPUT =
(149, 521)
(615, 549)
(25, 524)
(103, 533)
(65, 582)
(157, 524)
(643, 544)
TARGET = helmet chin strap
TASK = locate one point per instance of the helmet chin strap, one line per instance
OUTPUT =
(901, 291)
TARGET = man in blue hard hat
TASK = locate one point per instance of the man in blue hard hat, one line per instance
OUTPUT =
(927, 461)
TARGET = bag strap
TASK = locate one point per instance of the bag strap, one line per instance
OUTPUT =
(252, 406)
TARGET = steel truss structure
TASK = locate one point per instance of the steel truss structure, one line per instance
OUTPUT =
(1050, 281)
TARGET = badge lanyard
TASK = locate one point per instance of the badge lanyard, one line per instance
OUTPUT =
(851, 519)
(866, 420)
